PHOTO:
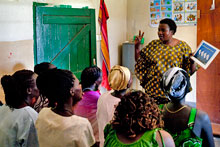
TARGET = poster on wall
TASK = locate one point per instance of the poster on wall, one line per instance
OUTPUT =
(183, 12)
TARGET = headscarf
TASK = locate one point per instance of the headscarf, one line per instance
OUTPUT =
(119, 77)
(175, 83)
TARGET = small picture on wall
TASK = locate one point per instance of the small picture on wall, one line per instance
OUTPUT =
(155, 15)
(178, 6)
(155, 3)
(155, 9)
(166, 2)
(191, 6)
(178, 17)
(155, 21)
(166, 15)
(166, 8)
(190, 17)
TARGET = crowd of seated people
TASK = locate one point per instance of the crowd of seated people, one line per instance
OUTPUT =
(73, 113)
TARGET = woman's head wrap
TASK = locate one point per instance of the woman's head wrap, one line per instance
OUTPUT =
(175, 83)
(119, 77)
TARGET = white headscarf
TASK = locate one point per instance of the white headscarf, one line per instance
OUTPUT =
(175, 82)
(119, 77)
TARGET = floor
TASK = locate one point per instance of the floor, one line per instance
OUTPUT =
(217, 141)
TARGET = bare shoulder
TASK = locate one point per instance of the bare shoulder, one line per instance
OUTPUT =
(202, 117)
(203, 121)
(165, 137)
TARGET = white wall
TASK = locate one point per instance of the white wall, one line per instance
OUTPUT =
(117, 28)
(138, 19)
(16, 31)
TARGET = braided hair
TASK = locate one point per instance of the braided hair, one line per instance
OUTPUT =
(42, 67)
(39, 69)
(55, 84)
(15, 87)
(89, 76)
(136, 113)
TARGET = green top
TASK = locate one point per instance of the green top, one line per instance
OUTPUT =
(187, 138)
(148, 139)
(154, 60)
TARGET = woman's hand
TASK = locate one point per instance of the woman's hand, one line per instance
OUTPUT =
(193, 67)
(138, 39)
(137, 43)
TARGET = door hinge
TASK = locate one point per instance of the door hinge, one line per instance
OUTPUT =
(198, 13)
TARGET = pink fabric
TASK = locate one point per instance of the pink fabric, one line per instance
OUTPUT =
(87, 108)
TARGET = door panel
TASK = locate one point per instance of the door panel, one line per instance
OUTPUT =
(65, 37)
(208, 81)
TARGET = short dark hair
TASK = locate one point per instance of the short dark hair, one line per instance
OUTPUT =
(136, 113)
(89, 76)
(55, 84)
(15, 87)
(42, 67)
(171, 23)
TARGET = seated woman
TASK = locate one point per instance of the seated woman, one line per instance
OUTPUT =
(17, 117)
(137, 122)
(91, 79)
(58, 126)
(119, 80)
(39, 69)
(188, 126)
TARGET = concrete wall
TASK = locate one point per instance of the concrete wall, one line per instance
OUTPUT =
(16, 31)
(138, 19)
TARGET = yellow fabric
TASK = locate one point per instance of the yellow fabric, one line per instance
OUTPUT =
(54, 130)
(119, 77)
(154, 60)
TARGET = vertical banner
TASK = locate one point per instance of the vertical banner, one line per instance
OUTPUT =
(103, 17)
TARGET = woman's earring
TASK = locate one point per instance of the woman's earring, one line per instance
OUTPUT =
(29, 91)
(72, 92)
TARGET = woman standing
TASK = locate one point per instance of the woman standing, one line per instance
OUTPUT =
(160, 55)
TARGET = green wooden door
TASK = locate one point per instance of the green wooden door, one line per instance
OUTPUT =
(65, 37)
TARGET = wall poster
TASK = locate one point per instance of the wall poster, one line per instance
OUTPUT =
(183, 12)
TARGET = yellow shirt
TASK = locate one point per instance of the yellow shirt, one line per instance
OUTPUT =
(54, 130)
(154, 60)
